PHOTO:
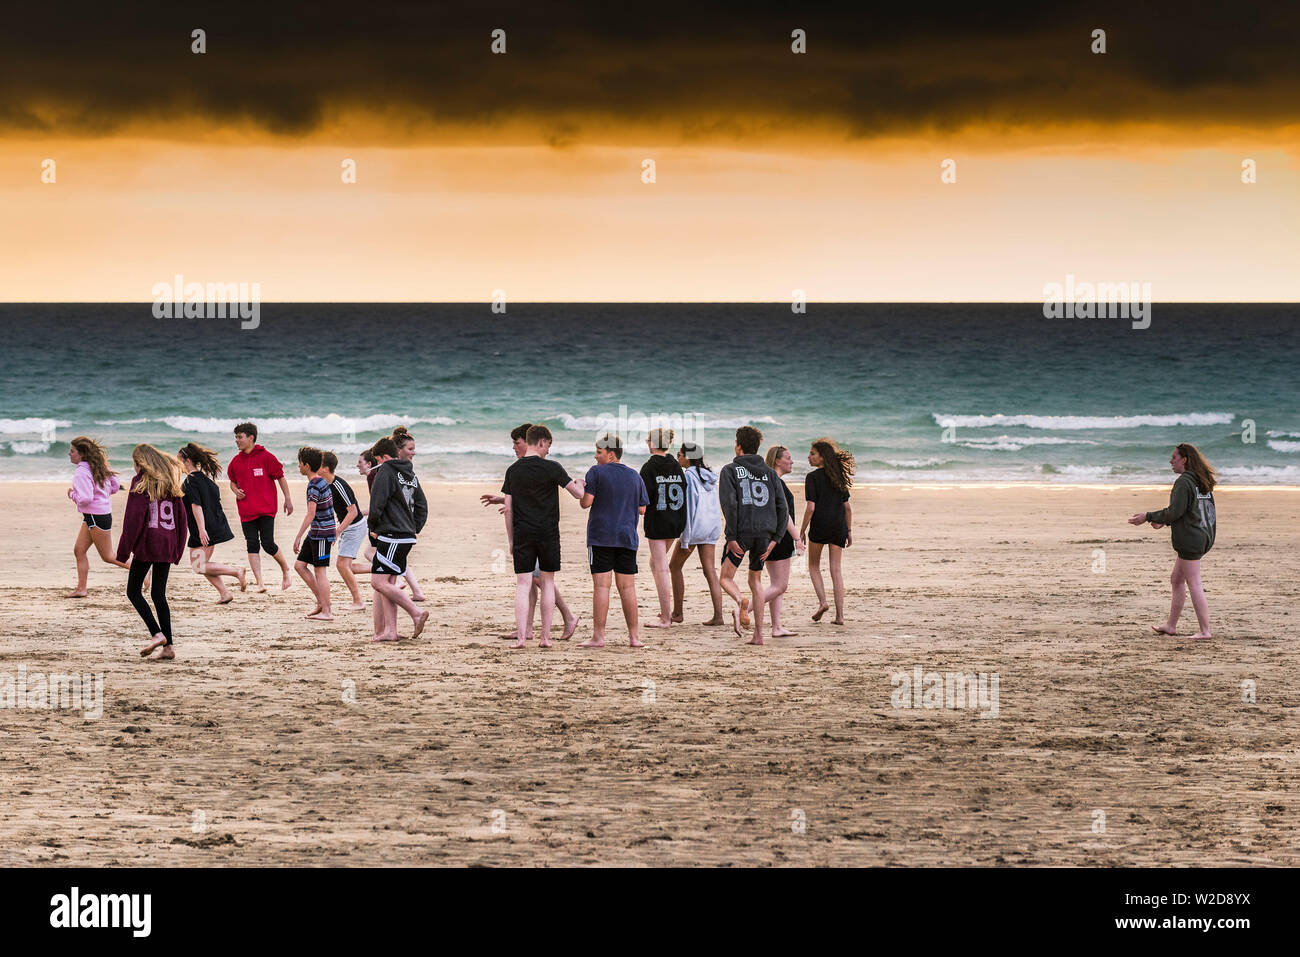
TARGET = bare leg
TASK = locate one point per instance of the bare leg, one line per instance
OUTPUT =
(399, 598)
(79, 549)
(756, 589)
(523, 607)
(1192, 575)
(548, 607)
(837, 582)
(568, 617)
(321, 586)
(663, 583)
(280, 560)
(348, 573)
(255, 564)
(600, 582)
(1176, 598)
(626, 585)
(103, 540)
(707, 563)
(779, 571)
(727, 582)
(384, 615)
(675, 565)
(416, 594)
(306, 575)
(815, 573)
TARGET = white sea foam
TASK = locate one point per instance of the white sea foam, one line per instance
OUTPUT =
(1289, 447)
(31, 425)
(27, 448)
(1014, 443)
(1069, 422)
(332, 424)
(593, 423)
(913, 463)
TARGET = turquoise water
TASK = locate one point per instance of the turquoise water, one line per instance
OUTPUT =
(1028, 398)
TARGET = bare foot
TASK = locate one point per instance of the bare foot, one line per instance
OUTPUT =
(756, 640)
(260, 588)
(838, 621)
(227, 600)
(1201, 636)
(658, 623)
(569, 628)
(355, 606)
(632, 640)
(716, 620)
(519, 643)
(243, 579)
(164, 653)
(593, 643)
(782, 633)
(678, 618)
(821, 611)
(384, 638)
(420, 620)
(1163, 630)
(744, 612)
(287, 583)
(321, 617)
(157, 643)
(418, 597)
(313, 613)
(544, 643)
(735, 623)
(75, 594)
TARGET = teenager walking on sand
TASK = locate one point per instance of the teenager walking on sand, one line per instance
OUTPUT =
(351, 530)
(405, 443)
(205, 518)
(253, 475)
(702, 531)
(754, 516)
(665, 516)
(827, 511)
(780, 461)
(93, 485)
(153, 537)
(1191, 520)
(398, 511)
(616, 496)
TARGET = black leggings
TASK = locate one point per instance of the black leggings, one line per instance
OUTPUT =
(134, 591)
(262, 527)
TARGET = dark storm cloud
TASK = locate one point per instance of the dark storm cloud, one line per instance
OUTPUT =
(90, 68)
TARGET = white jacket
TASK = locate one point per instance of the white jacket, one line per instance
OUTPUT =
(703, 515)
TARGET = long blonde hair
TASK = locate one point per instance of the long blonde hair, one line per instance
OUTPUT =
(94, 455)
(160, 473)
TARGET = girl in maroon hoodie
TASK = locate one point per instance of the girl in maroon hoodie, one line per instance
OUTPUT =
(153, 533)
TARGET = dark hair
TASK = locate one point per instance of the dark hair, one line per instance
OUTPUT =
(1198, 467)
(749, 439)
(536, 433)
(330, 459)
(401, 436)
(836, 463)
(694, 454)
(384, 447)
(310, 457)
(369, 456)
(247, 428)
(612, 443)
(521, 432)
(203, 457)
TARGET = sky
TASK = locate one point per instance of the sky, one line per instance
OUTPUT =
(523, 173)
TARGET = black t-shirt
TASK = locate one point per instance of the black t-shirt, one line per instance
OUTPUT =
(828, 519)
(533, 484)
(665, 516)
(343, 497)
(788, 540)
(198, 489)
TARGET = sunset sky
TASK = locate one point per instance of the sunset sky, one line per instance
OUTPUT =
(775, 171)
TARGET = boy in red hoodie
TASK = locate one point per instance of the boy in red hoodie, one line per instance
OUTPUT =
(153, 537)
(253, 474)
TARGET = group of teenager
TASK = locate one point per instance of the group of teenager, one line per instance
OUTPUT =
(675, 500)
(680, 505)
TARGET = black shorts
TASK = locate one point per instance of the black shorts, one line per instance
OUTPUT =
(103, 522)
(316, 551)
(390, 557)
(621, 561)
(784, 549)
(261, 528)
(838, 537)
(536, 553)
(756, 546)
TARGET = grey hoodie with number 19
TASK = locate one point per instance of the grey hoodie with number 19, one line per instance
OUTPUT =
(753, 502)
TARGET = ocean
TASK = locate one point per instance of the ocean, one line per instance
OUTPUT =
(919, 393)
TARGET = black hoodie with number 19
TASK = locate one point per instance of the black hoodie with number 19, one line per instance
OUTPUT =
(753, 502)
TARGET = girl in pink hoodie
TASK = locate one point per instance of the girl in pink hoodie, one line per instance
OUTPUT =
(153, 536)
(92, 486)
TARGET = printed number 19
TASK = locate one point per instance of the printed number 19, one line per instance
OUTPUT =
(675, 498)
(753, 493)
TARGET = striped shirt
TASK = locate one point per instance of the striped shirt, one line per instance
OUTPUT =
(322, 523)
(343, 497)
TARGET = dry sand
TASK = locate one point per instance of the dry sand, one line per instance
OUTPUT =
(459, 751)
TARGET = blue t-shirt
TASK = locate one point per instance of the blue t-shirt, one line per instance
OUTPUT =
(618, 494)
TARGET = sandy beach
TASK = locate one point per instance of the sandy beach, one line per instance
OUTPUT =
(277, 741)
